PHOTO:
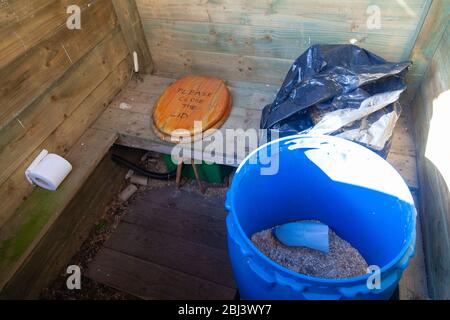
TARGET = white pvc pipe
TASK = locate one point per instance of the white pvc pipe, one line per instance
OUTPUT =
(136, 62)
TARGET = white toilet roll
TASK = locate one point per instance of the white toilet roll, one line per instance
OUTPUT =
(48, 170)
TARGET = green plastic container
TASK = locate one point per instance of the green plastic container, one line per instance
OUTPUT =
(213, 173)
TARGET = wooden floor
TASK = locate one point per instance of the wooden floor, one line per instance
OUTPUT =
(171, 245)
(129, 116)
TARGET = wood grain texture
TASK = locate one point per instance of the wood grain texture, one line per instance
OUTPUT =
(70, 229)
(131, 26)
(413, 284)
(430, 116)
(189, 257)
(23, 9)
(207, 35)
(126, 272)
(87, 83)
(19, 138)
(30, 75)
(402, 154)
(191, 226)
(403, 135)
(24, 34)
(230, 67)
(16, 188)
(133, 123)
(23, 231)
(428, 40)
(13, 11)
(180, 237)
(406, 165)
(188, 100)
(342, 16)
(261, 41)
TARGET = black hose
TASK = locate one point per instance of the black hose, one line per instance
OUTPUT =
(154, 175)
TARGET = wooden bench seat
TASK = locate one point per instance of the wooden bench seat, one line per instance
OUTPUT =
(21, 234)
(130, 116)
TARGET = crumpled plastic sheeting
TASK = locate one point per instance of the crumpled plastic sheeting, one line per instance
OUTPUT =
(334, 120)
(375, 130)
(331, 86)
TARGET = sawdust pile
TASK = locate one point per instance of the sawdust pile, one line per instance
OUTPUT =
(342, 260)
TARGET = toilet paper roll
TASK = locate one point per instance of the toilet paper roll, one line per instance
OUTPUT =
(48, 170)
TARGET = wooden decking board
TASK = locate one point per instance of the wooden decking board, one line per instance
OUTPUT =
(186, 223)
(402, 154)
(403, 139)
(413, 285)
(406, 165)
(151, 281)
(190, 201)
(182, 255)
(175, 236)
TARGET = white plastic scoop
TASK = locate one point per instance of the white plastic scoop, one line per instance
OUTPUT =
(310, 234)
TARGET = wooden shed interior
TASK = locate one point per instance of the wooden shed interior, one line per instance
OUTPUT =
(61, 90)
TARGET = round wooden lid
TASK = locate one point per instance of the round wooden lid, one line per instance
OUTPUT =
(189, 99)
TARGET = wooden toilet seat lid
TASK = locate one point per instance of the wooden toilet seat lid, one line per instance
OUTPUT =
(189, 99)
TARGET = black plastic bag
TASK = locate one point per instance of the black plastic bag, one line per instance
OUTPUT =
(329, 78)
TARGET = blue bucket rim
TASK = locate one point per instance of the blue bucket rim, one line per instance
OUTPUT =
(351, 280)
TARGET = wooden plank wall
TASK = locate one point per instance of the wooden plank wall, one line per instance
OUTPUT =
(427, 41)
(131, 25)
(431, 115)
(54, 82)
(256, 40)
(73, 225)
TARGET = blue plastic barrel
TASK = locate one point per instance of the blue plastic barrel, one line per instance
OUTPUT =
(338, 182)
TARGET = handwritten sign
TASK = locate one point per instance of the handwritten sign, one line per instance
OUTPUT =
(189, 99)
